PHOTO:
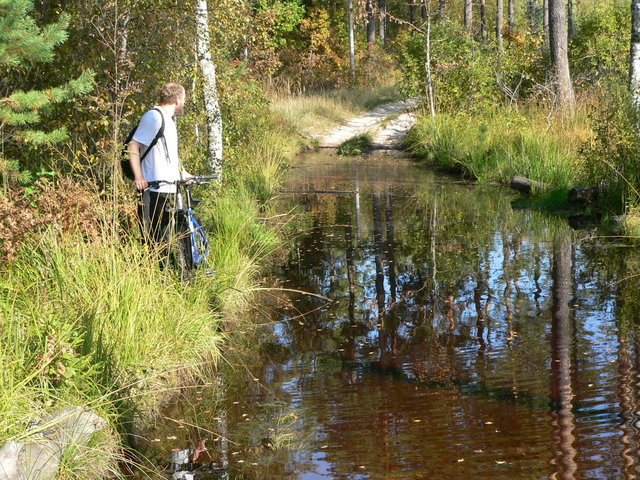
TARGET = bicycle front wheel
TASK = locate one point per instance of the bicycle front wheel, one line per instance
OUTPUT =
(183, 251)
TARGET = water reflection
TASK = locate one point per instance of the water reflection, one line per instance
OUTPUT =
(463, 338)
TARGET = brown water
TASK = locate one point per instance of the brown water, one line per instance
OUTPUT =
(452, 336)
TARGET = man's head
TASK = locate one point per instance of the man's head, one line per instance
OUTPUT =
(173, 94)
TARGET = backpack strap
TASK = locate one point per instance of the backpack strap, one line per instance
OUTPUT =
(158, 136)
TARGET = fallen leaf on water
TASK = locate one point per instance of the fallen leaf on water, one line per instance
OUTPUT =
(155, 440)
(460, 460)
(478, 451)
(324, 446)
(500, 462)
(172, 437)
(362, 466)
(417, 420)
(488, 423)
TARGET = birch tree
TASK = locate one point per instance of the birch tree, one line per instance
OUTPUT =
(382, 4)
(209, 88)
(558, 40)
(426, 5)
(352, 42)
(468, 15)
(499, 21)
(634, 67)
(512, 14)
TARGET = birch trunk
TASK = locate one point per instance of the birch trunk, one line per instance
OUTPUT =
(634, 67)
(352, 42)
(512, 14)
(559, 43)
(383, 22)
(499, 21)
(545, 21)
(468, 15)
(442, 9)
(209, 89)
(427, 63)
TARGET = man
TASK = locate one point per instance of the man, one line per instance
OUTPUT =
(161, 163)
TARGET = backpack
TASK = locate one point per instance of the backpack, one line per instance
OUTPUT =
(124, 163)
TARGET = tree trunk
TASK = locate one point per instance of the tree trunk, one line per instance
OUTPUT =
(499, 22)
(634, 68)
(209, 89)
(512, 14)
(558, 41)
(383, 21)
(371, 23)
(468, 15)
(532, 16)
(352, 42)
(442, 9)
(427, 63)
(412, 12)
(570, 18)
(483, 19)
(545, 22)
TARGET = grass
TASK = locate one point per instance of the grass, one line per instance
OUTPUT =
(357, 145)
(499, 145)
(314, 114)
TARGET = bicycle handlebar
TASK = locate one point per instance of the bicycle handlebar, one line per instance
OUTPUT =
(199, 180)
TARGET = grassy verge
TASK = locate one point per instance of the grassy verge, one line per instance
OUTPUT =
(88, 318)
(357, 145)
(499, 145)
(316, 113)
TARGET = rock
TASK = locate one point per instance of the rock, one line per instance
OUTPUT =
(39, 457)
(9, 454)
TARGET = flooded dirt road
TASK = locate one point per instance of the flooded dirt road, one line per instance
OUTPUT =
(449, 336)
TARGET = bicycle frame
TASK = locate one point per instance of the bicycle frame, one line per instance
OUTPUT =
(192, 245)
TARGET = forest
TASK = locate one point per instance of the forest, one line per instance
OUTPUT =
(543, 89)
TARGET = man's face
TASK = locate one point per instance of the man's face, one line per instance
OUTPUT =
(180, 106)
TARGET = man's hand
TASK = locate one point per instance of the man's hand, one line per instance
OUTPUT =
(141, 183)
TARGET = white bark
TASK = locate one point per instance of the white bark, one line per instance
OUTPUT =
(352, 42)
(427, 64)
(634, 70)
(209, 88)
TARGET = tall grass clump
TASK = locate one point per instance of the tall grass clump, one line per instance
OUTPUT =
(90, 323)
(239, 243)
(499, 146)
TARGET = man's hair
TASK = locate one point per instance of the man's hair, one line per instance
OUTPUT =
(170, 93)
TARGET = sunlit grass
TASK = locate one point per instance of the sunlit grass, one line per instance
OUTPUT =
(316, 113)
(499, 145)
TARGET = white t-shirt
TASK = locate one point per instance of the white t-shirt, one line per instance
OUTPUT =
(162, 162)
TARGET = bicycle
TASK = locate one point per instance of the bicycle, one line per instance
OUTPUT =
(188, 241)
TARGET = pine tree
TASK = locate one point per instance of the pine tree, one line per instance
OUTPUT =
(22, 45)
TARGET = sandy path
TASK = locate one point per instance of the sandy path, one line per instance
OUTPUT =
(385, 136)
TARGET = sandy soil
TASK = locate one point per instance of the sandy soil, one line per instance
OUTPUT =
(386, 134)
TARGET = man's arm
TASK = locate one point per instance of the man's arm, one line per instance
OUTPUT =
(134, 159)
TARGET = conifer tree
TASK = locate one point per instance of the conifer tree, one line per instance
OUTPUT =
(22, 45)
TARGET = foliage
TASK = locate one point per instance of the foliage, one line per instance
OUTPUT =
(22, 44)
(463, 69)
(598, 51)
(610, 155)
